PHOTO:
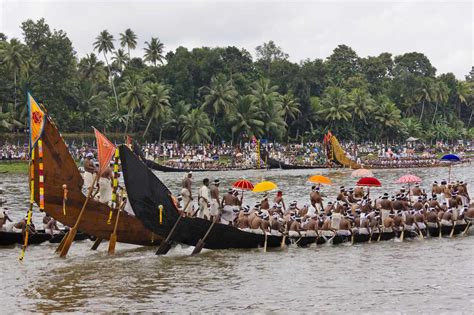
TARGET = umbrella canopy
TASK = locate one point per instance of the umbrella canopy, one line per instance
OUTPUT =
(451, 158)
(362, 172)
(243, 184)
(264, 186)
(369, 182)
(412, 139)
(320, 179)
(408, 179)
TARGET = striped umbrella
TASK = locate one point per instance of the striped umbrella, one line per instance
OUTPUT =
(243, 184)
(408, 179)
(362, 172)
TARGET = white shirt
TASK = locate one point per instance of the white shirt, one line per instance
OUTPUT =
(204, 192)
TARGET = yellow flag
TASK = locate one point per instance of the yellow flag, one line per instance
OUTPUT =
(37, 119)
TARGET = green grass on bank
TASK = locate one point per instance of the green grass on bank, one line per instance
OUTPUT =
(14, 167)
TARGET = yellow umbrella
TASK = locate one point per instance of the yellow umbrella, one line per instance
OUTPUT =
(264, 186)
(320, 179)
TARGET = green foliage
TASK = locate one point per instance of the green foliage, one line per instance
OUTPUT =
(211, 94)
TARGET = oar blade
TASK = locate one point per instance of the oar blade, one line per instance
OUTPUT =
(164, 248)
(112, 243)
(68, 242)
(198, 247)
(96, 244)
(60, 247)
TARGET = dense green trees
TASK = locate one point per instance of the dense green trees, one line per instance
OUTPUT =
(214, 94)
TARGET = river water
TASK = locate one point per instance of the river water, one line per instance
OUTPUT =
(429, 276)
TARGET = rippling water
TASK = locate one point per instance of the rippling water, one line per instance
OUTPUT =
(429, 276)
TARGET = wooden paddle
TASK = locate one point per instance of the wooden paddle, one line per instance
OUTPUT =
(403, 233)
(452, 230)
(464, 233)
(419, 231)
(440, 230)
(283, 240)
(96, 243)
(62, 243)
(265, 243)
(165, 246)
(113, 236)
(200, 243)
(380, 234)
(72, 233)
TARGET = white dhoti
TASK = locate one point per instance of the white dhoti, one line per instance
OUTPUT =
(344, 232)
(227, 214)
(421, 225)
(88, 179)
(186, 200)
(214, 207)
(446, 222)
(363, 231)
(293, 234)
(105, 190)
(432, 224)
(203, 209)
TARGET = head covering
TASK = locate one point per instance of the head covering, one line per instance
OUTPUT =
(89, 154)
(217, 182)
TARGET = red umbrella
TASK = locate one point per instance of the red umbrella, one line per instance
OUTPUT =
(243, 184)
(369, 182)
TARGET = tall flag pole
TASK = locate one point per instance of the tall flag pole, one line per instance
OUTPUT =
(37, 118)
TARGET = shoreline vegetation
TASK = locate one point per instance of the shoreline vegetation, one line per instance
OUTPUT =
(214, 94)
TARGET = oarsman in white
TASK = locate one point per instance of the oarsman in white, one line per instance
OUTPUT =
(215, 199)
(203, 200)
(89, 170)
(186, 193)
(105, 186)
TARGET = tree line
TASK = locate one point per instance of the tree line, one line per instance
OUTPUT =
(223, 94)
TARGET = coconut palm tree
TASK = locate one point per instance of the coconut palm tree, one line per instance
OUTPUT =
(387, 115)
(463, 90)
(154, 51)
(158, 100)
(411, 127)
(361, 103)
(12, 118)
(245, 118)
(89, 101)
(177, 115)
(16, 58)
(92, 68)
(335, 105)
(128, 39)
(196, 127)
(220, 96)
(133, 95)
(440, 96)
(268, 100)
(290, 105)
(120, 59)
(105, 43)
(424, 94)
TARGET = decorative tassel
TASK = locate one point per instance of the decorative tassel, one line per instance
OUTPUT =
(115, 202)
(32, 200)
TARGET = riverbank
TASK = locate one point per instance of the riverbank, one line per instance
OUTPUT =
(14, 167)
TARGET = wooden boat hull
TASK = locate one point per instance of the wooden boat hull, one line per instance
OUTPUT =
(446, 230)
(273, 163)
(11, 238)
(59, 169)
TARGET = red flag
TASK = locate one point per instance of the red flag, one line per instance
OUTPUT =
(105, 150)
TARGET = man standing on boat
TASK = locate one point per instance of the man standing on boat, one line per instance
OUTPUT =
(215, 199)
(186, 193)
(89, 170)
(203, 200)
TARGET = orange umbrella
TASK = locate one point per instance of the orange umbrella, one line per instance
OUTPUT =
(320, 179)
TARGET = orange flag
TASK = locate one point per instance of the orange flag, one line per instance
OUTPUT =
(105, 150)
(37, 118)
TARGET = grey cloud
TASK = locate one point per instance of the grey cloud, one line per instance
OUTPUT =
(304, 29)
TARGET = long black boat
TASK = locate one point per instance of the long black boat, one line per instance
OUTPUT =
(273, 163)
(147, 195)
(11, 238)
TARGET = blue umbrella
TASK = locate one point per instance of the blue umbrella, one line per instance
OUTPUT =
(451, 158)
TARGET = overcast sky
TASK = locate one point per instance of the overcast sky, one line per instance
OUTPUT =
(443, 30)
